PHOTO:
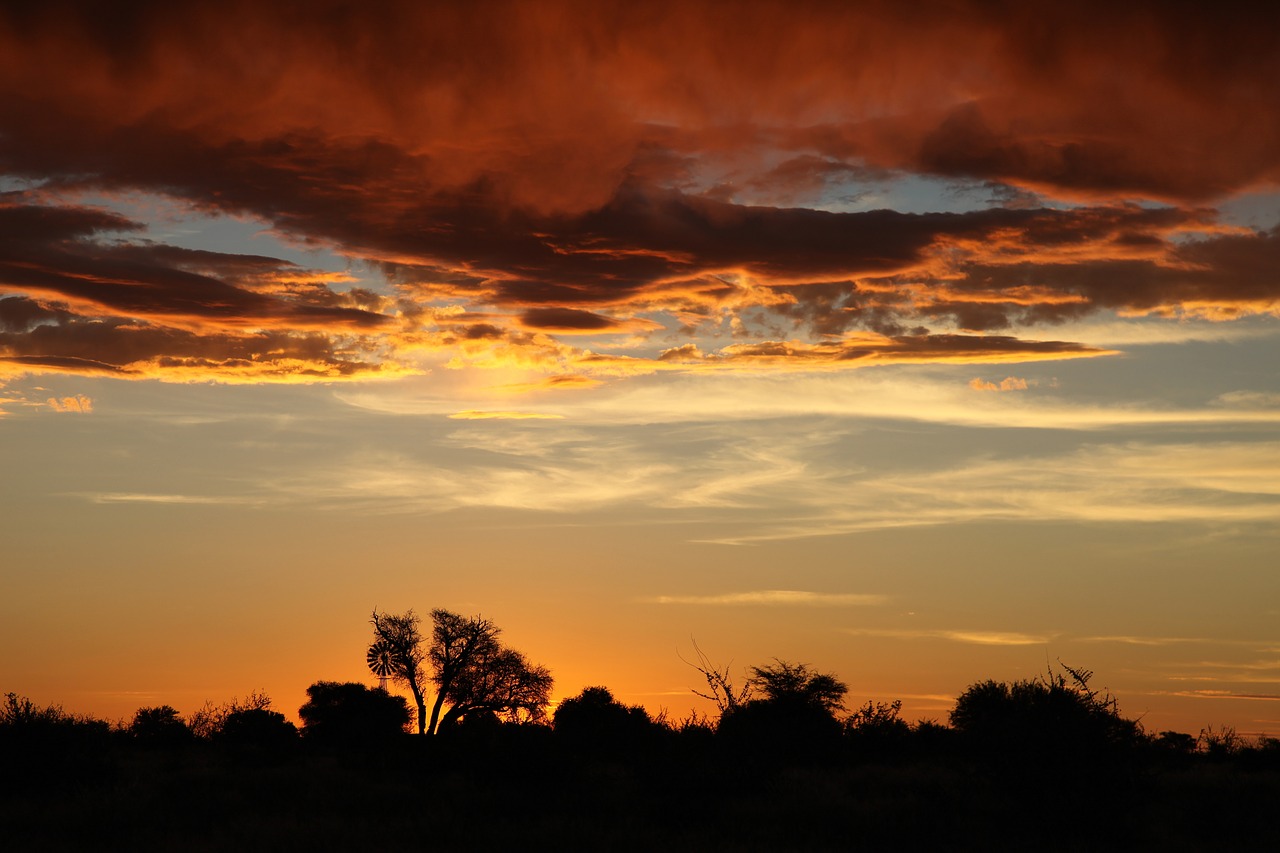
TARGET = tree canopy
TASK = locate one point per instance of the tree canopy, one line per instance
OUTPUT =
(785, 682)
(160, 725)
(472, 671)
(397, 644)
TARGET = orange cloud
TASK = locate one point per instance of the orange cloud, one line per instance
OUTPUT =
(560, 381)
(774, 597)
(1009, 383)
(574, 321)
(868, 348)
(79, 404)
(474, 415)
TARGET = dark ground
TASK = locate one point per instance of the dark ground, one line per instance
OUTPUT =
(524, 789)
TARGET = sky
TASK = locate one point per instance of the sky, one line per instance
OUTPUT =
(923, 345)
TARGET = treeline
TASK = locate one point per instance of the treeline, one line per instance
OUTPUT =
(480, 758)
(785, 712)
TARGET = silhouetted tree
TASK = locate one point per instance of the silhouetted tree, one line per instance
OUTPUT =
(795, 716)
(796, 683)
(399, 638)
(472, 671)
(160, 725)
(350, 711)
(478, 675)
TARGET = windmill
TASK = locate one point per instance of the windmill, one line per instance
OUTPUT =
(382, 662)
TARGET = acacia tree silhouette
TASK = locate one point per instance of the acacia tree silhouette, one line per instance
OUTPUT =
(787, 682)
(398, 642)
(475, 673)
(794, 716)
(472, 671)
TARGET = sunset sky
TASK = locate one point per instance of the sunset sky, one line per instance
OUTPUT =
(924, 345)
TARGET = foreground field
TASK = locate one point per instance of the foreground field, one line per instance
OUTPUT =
(521, 787)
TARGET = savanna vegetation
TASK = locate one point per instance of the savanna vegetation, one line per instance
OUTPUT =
(478, 759)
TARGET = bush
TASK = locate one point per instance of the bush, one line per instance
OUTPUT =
(159, 726)
(49, 749)
(1054, 731)
(351, 712)
(258, 727)
(876, 730)
(786, 730)
(208, 721)
(595, 720)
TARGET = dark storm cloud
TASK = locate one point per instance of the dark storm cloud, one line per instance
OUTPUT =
(564, 319)
(868, 349)
(68, 364)
(46, 250)
(1141, 98)
(1217, 277)
(571, 166)
(36, 336)
(88, 303)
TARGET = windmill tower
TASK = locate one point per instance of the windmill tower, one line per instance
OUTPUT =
(381, 662)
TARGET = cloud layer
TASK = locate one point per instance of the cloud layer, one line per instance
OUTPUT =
(537, 184)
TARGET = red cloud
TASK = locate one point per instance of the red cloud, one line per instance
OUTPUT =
(573, 166)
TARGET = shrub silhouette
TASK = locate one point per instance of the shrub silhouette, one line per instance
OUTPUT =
(1053, 733)
(795, 718)
(351, 712)
(595, 720)
(258, 728)
(1175, 743)
(207, 722)
(45, 748)
(159, 726)
(876, 729)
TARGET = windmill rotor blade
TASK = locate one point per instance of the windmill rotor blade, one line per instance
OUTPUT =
(379, 659)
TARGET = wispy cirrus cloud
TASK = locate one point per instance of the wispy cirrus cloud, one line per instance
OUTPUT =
(977, 638)
(479, 415)
(746, 481)
(1130, 640)
(774, 597)
(1223, 694)
(158, 498)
